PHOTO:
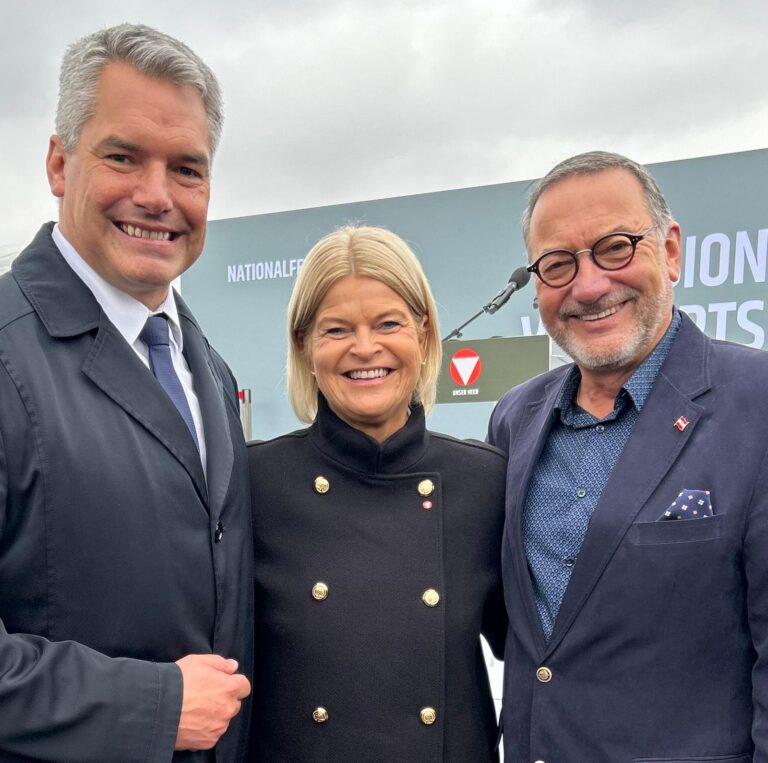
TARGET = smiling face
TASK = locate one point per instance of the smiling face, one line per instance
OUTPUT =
(134, 193)
(608, 322)
(366, 350)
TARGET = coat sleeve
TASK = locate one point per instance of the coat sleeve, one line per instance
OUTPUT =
(756, 570)
(64, 698)
(494, 625)
(498, 434)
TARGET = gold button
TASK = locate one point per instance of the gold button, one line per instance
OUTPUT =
(430, 597)
(319, 591)
(428, 715)
(319, 715)
(544, 675)
(322, 485)
(425, 488)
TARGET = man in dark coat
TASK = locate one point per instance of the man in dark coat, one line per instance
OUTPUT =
(125, 538)
(636, 545)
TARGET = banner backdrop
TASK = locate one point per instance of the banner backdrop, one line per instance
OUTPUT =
(469, 242)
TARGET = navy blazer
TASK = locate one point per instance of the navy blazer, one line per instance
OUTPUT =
(659, 650)
(110, 569)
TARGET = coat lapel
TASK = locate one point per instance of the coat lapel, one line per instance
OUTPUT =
(67, 309)
(653, 447)
(112, 366)
(210, 393)
(532, 435)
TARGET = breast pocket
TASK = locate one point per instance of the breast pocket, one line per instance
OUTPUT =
(677, 531)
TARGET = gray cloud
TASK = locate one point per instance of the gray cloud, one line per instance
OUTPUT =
(340, 101)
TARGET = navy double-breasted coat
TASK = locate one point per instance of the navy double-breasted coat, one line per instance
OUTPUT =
(377, 569)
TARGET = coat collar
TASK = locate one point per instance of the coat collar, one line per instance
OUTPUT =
(356, 450)
(43, 276)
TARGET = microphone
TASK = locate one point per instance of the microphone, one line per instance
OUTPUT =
(517, 280)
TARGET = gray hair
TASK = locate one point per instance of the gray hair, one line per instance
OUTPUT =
(589, 164)
(150, 52)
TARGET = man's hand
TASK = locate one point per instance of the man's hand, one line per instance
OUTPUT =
(212, 693)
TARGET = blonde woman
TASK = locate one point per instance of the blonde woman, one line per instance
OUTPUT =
(377, 542)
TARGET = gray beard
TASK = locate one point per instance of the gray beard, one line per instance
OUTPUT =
(652, 312)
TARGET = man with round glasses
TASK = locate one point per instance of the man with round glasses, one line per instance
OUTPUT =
(636, 548)
(615, 251)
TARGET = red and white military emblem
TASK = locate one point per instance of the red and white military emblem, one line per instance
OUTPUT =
(466, 367)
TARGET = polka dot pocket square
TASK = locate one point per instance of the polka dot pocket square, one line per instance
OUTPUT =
(689, 504)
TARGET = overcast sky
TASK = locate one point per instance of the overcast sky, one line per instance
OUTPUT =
(339, 101)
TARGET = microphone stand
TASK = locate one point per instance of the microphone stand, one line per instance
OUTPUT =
(456, 333)
(519, 279)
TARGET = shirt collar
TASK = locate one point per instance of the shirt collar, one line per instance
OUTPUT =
(641, 382)
(126, 313)
(636, 389)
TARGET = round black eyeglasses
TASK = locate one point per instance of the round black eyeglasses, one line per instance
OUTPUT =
(612, 252)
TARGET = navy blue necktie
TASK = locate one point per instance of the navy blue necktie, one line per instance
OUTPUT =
(155, 336)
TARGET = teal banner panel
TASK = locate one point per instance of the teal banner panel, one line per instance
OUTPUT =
(469, 242)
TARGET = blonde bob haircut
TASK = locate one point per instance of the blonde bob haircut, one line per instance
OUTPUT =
(357, 251)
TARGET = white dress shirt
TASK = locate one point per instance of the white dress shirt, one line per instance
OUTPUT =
(129, 316)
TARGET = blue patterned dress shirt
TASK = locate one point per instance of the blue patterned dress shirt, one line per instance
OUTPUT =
(571, 474)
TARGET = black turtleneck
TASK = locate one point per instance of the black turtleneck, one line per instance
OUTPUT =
(356, 450)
